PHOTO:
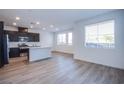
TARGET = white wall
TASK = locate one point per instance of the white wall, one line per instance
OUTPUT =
(11, 28)
(62, 48)
(109, 57)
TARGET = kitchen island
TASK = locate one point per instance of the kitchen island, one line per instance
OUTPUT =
(39, 53)
(31, 53)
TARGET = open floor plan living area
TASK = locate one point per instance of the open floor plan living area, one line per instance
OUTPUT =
(61, 46)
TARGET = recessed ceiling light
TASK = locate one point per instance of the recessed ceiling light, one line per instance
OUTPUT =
(37, 23)
(44, 28)
(17, 18)
(14, 24)
(57, 29)
(51, 26)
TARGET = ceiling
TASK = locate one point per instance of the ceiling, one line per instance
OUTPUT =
(60, 18)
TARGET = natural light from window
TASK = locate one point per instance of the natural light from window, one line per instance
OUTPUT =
(61, 39)
(70, 38)
(100, 35)
(64, 38)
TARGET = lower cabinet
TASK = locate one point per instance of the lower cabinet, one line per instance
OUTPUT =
(14, 52)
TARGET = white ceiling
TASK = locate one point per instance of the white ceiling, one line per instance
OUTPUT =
(62, 19)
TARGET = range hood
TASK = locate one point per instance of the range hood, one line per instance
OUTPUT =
(22, 29)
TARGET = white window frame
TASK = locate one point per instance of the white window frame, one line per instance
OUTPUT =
(67, 38)
(61, 43)
(98, 24)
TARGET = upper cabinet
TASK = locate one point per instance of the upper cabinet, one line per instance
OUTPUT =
(14, 36)
(33, 37)
(22, 29)
(36, 37)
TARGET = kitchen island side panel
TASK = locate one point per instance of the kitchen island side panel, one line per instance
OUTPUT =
(39, 53)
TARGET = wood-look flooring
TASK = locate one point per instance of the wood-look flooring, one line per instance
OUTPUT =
(60, 69)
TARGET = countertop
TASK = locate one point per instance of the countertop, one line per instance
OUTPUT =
(32, 47)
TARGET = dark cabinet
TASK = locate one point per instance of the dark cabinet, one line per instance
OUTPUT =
(14, 36)
(22, 34)
(36, 37)
(30, 36)
(33, 37)
(22, 29)
(14, 52)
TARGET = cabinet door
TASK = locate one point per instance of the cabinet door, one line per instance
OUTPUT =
(14, 52)
(13, 36)
(22, 34)
(36, 37)
(30, 36)
(33, 37)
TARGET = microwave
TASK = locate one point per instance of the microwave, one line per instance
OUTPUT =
(23, 39)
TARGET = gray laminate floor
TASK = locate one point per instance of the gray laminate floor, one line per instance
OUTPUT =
(59, 69)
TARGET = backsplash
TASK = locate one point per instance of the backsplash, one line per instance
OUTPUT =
(15, 44)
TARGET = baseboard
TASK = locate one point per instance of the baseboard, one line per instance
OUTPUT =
(39, 60)
(61, 52)
(98, 64)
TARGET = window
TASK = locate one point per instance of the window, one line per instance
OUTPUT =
(69, 38)
(64, 38)
(61, 39)
(100, 35)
